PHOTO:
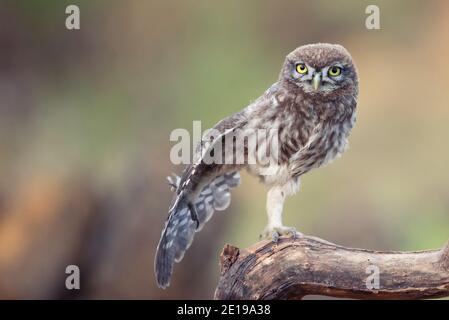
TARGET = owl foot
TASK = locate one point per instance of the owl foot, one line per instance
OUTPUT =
(273, 233)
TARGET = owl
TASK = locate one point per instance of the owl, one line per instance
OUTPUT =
(309, 113)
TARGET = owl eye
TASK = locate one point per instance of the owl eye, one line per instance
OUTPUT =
(301, 68)
(334, 71)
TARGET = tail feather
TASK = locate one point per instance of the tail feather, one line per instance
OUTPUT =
(175, 240)
(179, 230)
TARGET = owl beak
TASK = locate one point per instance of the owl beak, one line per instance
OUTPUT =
(316, 81)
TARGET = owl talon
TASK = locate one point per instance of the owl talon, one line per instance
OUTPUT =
(274, 236)
(274, 233)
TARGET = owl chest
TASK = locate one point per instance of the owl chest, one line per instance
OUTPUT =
(332, 144)
(293, 162)
(329, 144)
(293, 137)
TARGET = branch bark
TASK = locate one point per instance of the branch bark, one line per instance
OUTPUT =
(294, 268)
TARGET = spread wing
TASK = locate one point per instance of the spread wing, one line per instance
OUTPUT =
(186, 215)
(203, 188)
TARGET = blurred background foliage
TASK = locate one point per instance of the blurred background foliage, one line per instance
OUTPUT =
(85, 118)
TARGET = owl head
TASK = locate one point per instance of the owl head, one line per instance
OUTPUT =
(321, 69)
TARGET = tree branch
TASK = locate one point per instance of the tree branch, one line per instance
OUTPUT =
(294, 268)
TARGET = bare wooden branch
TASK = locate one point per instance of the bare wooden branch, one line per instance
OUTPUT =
(294, 268)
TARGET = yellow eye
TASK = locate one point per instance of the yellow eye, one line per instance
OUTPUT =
(301, 68)
(334, 71)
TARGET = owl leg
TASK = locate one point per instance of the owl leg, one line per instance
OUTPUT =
(275, 204)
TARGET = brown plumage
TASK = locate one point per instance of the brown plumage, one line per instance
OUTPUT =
(306, 116)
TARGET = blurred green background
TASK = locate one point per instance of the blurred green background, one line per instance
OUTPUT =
(85, 118)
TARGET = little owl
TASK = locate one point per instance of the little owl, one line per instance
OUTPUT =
(310, 109)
